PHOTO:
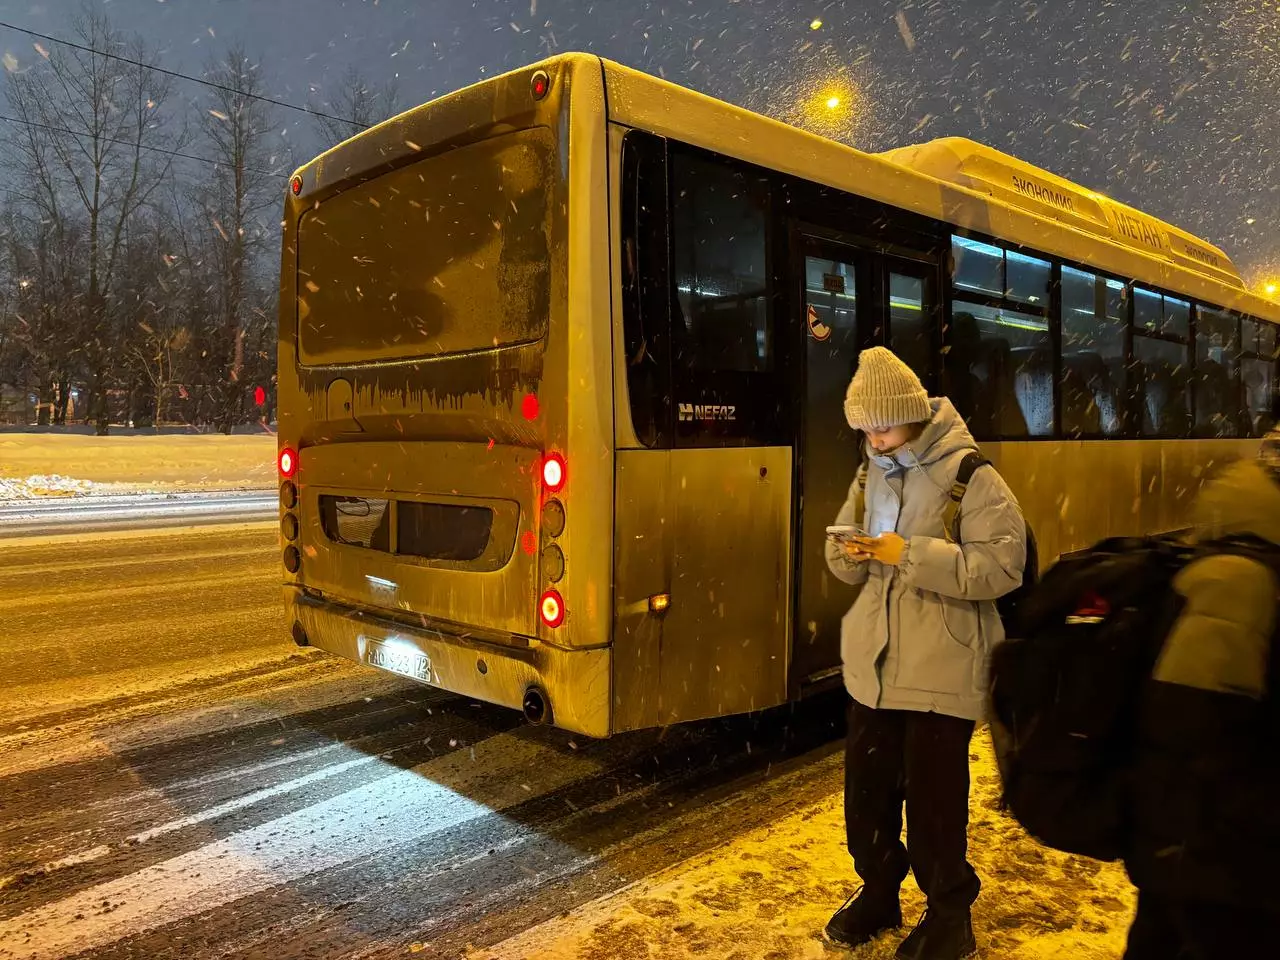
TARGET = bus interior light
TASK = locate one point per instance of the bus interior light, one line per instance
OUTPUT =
(553, 472)
(551, 608)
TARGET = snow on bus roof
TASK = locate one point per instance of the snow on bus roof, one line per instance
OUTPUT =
(1017, 183)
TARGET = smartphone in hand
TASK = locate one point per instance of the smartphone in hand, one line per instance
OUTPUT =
(846, 534)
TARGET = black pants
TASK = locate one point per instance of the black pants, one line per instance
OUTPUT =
(922, 759)
(1179, 930)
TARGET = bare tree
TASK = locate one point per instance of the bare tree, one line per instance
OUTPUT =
(94, 146)
(356, 104)
(237, 125)
(45, 292)
(153, 287)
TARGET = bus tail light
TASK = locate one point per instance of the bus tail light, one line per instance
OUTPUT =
(553, 472)
(553, 563)
(540, 84)
(288, 463)
(551, 609)
(553, 518)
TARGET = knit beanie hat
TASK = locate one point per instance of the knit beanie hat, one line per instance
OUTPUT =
(884, 392)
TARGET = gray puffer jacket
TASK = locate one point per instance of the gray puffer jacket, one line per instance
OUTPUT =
(920, 636)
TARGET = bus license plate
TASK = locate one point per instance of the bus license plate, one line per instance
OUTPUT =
(406, 662)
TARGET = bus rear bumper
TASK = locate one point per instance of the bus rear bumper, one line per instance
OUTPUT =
(575, 684)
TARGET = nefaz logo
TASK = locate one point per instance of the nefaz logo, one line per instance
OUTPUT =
(710, 411)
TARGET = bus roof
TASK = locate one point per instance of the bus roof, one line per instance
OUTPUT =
(1015, 183)
(953, 180)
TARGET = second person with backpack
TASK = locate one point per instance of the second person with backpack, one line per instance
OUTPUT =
(933, 538)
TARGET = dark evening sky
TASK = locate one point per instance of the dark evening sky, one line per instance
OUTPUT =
(1165, 105)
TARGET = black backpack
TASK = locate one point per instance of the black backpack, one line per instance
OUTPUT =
(1008, 604)
(1065, 697)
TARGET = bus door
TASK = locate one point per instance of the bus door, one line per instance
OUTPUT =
(850, 299)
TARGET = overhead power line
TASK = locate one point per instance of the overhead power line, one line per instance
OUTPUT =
(180, 76)
(140, 146)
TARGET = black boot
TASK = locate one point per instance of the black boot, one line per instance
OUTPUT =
(863, 917)
(940, 936)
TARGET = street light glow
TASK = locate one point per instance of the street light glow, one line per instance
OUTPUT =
(833, 102)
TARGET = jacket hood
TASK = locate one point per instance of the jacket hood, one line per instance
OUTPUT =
(1243, 499)
(1269, 453)
(945, 434)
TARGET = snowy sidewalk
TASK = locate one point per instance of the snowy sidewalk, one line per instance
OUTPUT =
(769, 893)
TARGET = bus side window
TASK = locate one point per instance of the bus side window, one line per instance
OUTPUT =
(1000, 360)
(1093, 355)
(719, 241)
(1162, 363)
(1221, 410)
(646, 303)
(1258, 368)
(727, 368)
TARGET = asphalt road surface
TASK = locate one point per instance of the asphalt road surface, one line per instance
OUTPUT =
(178, 780)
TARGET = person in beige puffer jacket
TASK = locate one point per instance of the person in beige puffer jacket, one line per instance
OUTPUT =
(916, 645)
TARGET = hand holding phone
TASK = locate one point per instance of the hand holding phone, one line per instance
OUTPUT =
(846, 538)
(845, 533)
(888, 547)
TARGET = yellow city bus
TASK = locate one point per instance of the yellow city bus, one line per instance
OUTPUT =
(562, 357)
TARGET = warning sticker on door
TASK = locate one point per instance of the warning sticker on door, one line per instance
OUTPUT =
(817, 329)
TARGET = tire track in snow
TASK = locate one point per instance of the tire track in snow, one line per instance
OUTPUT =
(207, 787)
(403, 806)
(657, 798)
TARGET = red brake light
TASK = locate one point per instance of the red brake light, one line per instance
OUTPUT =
(529, 407)
(288, 462)
(553, 472)
(551, 608)
(296, 185)
(540, 84)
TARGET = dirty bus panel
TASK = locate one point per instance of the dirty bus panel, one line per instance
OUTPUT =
(444, 256)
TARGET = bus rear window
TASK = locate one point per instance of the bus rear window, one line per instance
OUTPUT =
(447, 255)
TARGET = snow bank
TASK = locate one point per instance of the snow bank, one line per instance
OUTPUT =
(28, 488)
(63, 465)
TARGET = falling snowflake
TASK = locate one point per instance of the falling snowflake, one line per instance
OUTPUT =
(904, 28)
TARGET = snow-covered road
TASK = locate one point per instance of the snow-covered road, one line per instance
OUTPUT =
(19, 518)
(178, 780)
